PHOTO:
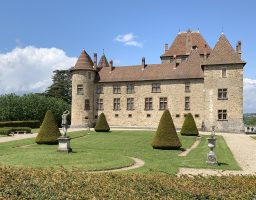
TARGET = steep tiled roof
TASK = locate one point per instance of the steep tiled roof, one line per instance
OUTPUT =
(184, 41)
(223, 53)
(188, 69)
(84, 62)
(103, 62)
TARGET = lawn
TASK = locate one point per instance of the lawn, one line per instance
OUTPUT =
(97, 151)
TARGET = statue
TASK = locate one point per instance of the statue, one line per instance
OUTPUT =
(64, 140)
(64, 122)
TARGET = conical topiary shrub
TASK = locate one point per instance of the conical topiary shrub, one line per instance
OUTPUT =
(49, 131)
(189, 126)
(102, 124)
(166, 136)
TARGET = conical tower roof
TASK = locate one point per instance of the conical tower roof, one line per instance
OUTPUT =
(223, 53)
(84, 62)
(103, 62)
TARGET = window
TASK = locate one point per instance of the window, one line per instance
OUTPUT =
(89, 75)
(130, 103)
(116, 89)
(183, 59)
(116, 115)
(156, 87)
(99, 89)
(116, 103)
(171, 60)
(196, 115)
(224, 72)
(187, 103)
(96, 116)
(187, 86)
(223, 93)
(177, 115)
(148, 104)
(148, 115)
(130, 88)
(86, 104)
(99, 104)
(222, 115)
(130, 115)
(80, 90)
(163, 103)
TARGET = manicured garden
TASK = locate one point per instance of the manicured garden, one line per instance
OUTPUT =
(97, 151)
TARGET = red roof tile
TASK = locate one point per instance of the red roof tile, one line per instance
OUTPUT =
(223, 53)
(184, 42)
(84, 62)
(188, 69)
(103, 62)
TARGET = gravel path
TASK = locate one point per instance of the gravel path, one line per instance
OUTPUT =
(195, 144)
(138, 163)
(243, 148)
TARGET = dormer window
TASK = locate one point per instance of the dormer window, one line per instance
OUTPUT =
(194, 47)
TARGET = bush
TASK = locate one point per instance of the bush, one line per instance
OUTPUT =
(5, 131)
(166, 136)
(26, 107)
(189, 126)
(29, 183)
(49, 131)
(31, 124)
(9, 130)
(102, 124)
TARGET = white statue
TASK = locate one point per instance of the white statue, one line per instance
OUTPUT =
(64, 122)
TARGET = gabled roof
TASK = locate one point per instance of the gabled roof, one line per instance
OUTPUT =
(184, 42)
(190, 69)
(103, 62)
(223, 53)
(84, 62)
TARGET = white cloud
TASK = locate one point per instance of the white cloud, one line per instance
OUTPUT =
(249, 95)
(129, 40)
(29, 69)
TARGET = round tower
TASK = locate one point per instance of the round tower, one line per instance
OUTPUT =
(83, 76)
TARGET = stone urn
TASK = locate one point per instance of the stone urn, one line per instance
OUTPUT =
(211, 156)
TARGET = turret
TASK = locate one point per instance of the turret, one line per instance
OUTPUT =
(83, 76)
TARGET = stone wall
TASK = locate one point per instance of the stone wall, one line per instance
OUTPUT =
(234, 104)
(174, 90)
(79, 116)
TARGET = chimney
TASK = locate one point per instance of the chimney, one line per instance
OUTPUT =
(165, 47)
(205, 53)
(143, 62)
(95, 60)
(111, 65)
(238, 49)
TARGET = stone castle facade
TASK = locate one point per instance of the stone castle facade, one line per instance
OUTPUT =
(192, 78)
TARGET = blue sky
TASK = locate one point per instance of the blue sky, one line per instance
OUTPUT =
(62, 28)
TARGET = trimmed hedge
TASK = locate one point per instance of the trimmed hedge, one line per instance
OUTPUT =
(102, 124)
(30, 123)
(189, 126)
(166, 136)
(9, 130)
(29, 183)
(5, 131)
(49, 131)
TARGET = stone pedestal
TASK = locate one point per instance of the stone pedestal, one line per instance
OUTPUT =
(211, 156)
(64, 144)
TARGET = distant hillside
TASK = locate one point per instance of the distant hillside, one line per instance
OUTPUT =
(250, 119)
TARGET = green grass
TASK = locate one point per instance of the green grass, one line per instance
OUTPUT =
(96, 151)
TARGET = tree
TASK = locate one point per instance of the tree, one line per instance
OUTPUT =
(49, 131)
(189, 126)
(30, 107)
(61, 86)
(166, 136)
(102, 124)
